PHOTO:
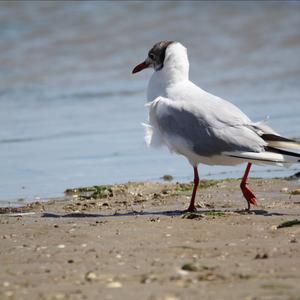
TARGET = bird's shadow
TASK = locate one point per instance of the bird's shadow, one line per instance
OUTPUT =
(169, 213)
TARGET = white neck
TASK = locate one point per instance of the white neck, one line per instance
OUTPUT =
(176, 64)
(175, 70)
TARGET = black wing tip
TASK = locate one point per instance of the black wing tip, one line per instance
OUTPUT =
(280, 151)
(268, 137)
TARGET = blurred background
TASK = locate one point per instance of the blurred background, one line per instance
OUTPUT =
(70, 110)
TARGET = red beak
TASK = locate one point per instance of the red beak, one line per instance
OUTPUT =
(140, 67)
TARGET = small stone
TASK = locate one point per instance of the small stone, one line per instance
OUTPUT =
(59, 296)
(170, 298)
(296, 192)
(261, 256)
(154, 219)
(148, 278)
(9, 293)
(70, 261)
(293, 240)
(90, 276)
(189, 267)
(55, 226)
(284, 190)
(6, 284)
(179, 274)
(114, 285)
(61, 246)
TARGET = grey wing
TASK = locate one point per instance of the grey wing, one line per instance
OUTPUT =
(205, 134)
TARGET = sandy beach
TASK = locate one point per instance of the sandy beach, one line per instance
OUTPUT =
(134, 241)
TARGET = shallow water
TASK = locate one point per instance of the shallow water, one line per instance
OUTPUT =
(70, 110)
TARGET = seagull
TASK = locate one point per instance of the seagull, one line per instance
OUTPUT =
(202, 127)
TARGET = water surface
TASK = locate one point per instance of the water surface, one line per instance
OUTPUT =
(70, 110)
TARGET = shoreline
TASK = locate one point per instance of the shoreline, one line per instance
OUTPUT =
(23, 199)
(134, 241)
(17, 206)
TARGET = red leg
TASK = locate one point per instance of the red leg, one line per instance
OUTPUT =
(192, 207)
(250, 197)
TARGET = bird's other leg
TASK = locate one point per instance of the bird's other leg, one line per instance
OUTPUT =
(250, 197)
(192, 207)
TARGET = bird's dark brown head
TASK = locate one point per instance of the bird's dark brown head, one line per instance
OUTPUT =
(156, 57)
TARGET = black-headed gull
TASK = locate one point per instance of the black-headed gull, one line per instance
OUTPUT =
(202, 127)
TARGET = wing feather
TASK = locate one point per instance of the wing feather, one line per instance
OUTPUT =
(205, 134)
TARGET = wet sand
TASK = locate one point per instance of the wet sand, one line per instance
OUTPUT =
(134, 241)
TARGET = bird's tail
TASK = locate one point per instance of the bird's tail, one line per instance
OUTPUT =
(277, 151)
(280, 145)
(277, 141)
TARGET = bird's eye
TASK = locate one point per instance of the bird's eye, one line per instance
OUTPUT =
(152, 56)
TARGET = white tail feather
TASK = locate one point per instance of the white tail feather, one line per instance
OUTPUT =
(283, 144)
(265, 158)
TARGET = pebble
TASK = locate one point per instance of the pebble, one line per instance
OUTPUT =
(231, 244)
(61, 246)
(296, 192)
(181, 273)
(165, 297)
(190, 267)
(90, 276)
(114, 285)
(155, 219)
(9, 293)
(148, 278)
(284, 190)
(170, 298)
(261, 256)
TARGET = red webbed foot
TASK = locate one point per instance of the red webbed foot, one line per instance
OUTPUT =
(249, 196)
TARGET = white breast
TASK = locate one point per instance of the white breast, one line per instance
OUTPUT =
(156, 86)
